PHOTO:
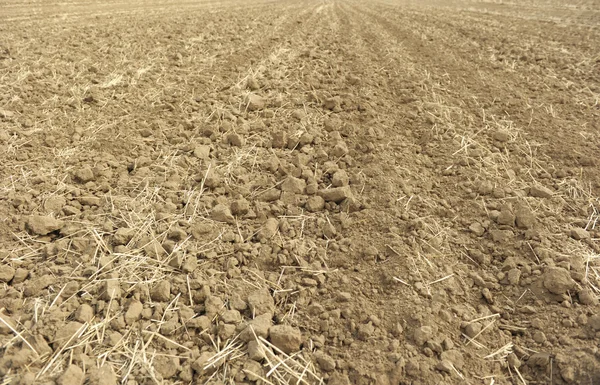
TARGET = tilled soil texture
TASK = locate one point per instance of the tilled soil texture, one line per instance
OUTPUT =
(299, 192)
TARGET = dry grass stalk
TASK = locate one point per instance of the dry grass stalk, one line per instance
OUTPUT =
(17, 333)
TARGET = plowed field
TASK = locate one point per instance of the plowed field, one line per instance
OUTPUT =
(299, 192)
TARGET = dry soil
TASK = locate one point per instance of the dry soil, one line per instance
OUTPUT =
(299, 192)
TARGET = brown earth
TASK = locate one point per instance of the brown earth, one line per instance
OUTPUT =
(339, 192)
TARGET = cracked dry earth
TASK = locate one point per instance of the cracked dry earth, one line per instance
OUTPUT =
(299, 192)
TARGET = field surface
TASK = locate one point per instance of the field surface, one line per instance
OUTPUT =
(299, 192)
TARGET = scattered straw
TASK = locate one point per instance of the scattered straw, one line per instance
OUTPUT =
(17, 334)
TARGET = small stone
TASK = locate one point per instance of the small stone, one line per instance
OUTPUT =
(353, 80)
(166, 366)
(487, 295)
(413, 367)
(84, 175)
(254, 102)
(240, 207)
(513, 276)
(123, 236)
(252, 84)
(176, 260)
(371, 252)
(312, 188)
(332, 124)
(222, 213)
(155, 250)
(231, 317)
(84, 313)
(4, 136)
(298, 114)
(541, 360)
(524, 217)
(539, 337)
(134, 311)
(259, 326)
(202, 323)
(444, 366)
(579, 234)
(485, 188)
(309, 282)
(5, 323)
(226, 331)
(72, 376)
(70, 210)
(90, 201)
(177, 234)
(340, 178)
(200, 365)
(350, 205)
(501, 236)
(39, 344)
(234, 139)
(285, 338)
(339, 150)
(269, 195)
(422, 335)
(261, 302)
(306, 139)
(161, 291)
(43, 225)
(6, 114)
(339, 379)
(186, 313)
(325, 362)
(269, 229)
(55, 204)
(70, 289)
(477, 280)
(20, 275)
(513, 360)
(113, 338)
(540, 192)
(501, 136)
(213, 180)
(332, 103)
(255, 351)
(365, 331)
(587, 297)
(568, 374)
(336, 194)
(594, 322)
(294, 185)
(477, 229)
(279, 139)
(506, 217)
(558, 280)
(7, 273)
(65, 333)
(472, 329)
(213, 305)
(103, 375)
(344, 296)
(254, 371)
(314, 204)
(111, 289)
(118, 323)
(447, 344)
(34, 287)
(202, 152)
